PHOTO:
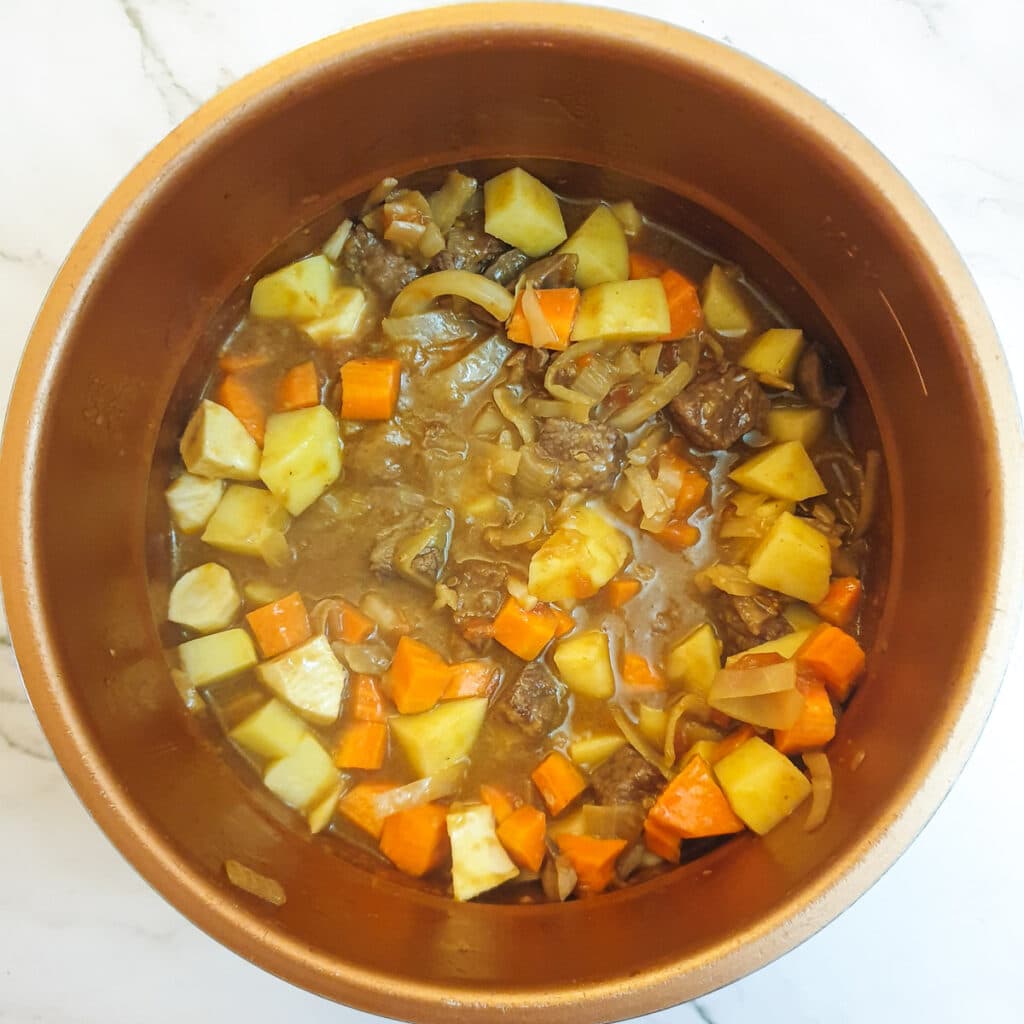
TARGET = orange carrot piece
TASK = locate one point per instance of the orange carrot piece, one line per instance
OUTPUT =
(500, 801)
(619, 592)
(347, 623)
(416, 840)
(524, 633)
(683, 305)
(365, 701)
(558, 781)
(417, 676)
(238, 397)
(236, 362)
(359, 806)
(638, 672)
(691, 494)
(369, 388)
(299, 388)
(839, 606)
(592, 859)
(641, 265)
(280, 625)
(558, 307)
(471, 679)
(362, 745)
(522, 834)
(661, 840)
(814, 728)
(735, 740)
(563, 621)
(833, 656)
(692, 806)
(678, 535)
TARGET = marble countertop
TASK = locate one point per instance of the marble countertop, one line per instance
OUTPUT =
(90, 85)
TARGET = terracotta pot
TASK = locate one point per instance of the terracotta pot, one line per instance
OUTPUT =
(789, 190)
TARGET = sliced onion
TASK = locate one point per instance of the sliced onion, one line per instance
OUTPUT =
(657, 508)
(275, 550)
(416, 794)
(501, 460)
(689, 704)
(557, 878)
(653, 399)
(566, 359)
(868, 494)
(369, 659)
(648, 445)
(405, 234)
(650, 356)
(821, 789)
(625, 495)
(763, 695)
(627, 362)
(542, 334)
(380, 192)
(638, 741)
(523, 529)
(417, 296)
(512, 409)
(553, 408)
(334, 245)
(613, 821)
(597, 378)
(432, 242)
(437, 327)
(730, 579)
(253, 882)
(536, 473)
(475, 369)
(384, 613)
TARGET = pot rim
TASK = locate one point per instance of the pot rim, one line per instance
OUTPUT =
(154, 856)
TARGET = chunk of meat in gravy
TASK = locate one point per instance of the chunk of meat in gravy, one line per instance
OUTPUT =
(526, 366)
(743, 622)
(588, 456)
(714, 411)
(377, 264)
(811, 379)
(507, 267)
(557, 271)
(535, 701)
(468, 247)
(480, 588)
(626, 778)
(416, 547)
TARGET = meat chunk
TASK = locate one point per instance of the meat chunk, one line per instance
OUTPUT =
(468, 248)
(416, 547)
(743, 622)
(810, 378)
(480, 588)
(626, 778)
(507, 267)
(717, 408)
(535, 702)
(587, 456)
(377, 264)
(556, 271)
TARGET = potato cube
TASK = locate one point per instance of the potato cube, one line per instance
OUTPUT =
(796, 423)
(785, 646)
(782, 471)
(301, 456)
(623, 311)
(590, 751)
(244, 519)
(319, 816)
(479, 861)
(600, 244)
(775, 353)
(271, 732)
(304, 777)
(653, 722)
(584, 662)
(436, 739)
(209, 659)
(192, 499)
(794, 558)
(260, 592)
(300, 291)
(204, 599)
(523, 212)
(215, 444)
(341, 320)
(310, 678)
(725, 309)
(693, 661)
(762, 786)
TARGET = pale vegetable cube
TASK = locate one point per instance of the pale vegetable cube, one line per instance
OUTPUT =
(693, 661)
(304, 777)
(341, 319)
(215, 444)
(438, 738)
(783, 471)
(590, 751)
(629, 217)
(794, 558)
(244, 519)
(623, 311)
(584, 662)
(784, 646)
(301, 456)
(479, 861)
(800, 617)
(600, 244)
(318, 817)
(271, 732)
(702, 748)
(299, 291)
(209, 659)
(775, 353)
(309, 678)
(762, 786)
(796, 423)
(652, 722)
(523, 212)
(725, 310)
(257, 593)
(192, 500)
(204, 599)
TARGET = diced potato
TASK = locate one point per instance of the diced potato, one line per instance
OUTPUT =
(629, 217)
(775, 353)
(725, 310)
(762, 786)
(304, 777)
(693, 661)
(244, 519)
(257, 593)
(209, 659)
(438, 738)
(204, 599)
(652, 722)
(300, 291)
(702, 748)
(794, 558)
(523, 212)
(310, 678)
(301, 456)
(800, 617)
(600, 244)
(590, 751)
(271, 732)
(585, 664)
(785, 646)
(448, 202)
(479, 861)
(192, 500)
(318, 817)
(215, 444)
(341, 319)
(782, 471)
(623, 311)
(796, 423)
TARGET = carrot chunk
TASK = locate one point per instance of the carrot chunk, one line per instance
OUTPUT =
(365, 702)
(418, 676)
(833, 656)
(558, 781)
(362, 745)
(685, 312)
(641, 265)
(280, 625)
(592, 859)
(678, 535)
(359, 805)
(501, 801)
(416, 840)
(564, 622)
(369, 388)
(661, 840)
(558, 307)
(471, 679)
(638, 672)
(239, 398)
(839, 606)
(619, 592)
(522, 834)
(299, 388)
(814, 728)
(692, 806)
(347, 623)
(524, 633)
(735, 740)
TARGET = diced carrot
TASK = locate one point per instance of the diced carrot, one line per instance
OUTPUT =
(347, 623)
(833, 656)
(416, 840)
(558, 306)
(558, 781)
(638, 672)
(814, 728)
(839, 606)
(678, 535)
(692, 806)
(236, 362)
(619, 592)
(299, 388)
(683, 305)
(735, 740)
(524, 633)
(522, 834)
(501, 801)
(471, 679)
(691, 494)
(362, 745)
(359, 806)
(661, 840)
(641, 265)
(238, 397)
(592, 859)
(365, 701)
(564, 622)
(369, 388)
(417, 676)
(280, 625)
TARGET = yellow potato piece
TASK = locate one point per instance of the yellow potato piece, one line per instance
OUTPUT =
(693, 661)
(523, 212)
(783, 471)
(215, 444)
(304, 777)
(590, 751)
(209, 659)
(725, 310)
(309, 678)
(623, 311)
(342, 318)
(273, 731)
(584, 663)
(192, 499)
(763, 786)
(796, 423)
(600, 244)
(244, 519)
(300, 291)
(436, 739)
(775, 353)
(301, 456)
(794, 558)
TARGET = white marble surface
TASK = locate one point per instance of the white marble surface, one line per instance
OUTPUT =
(90, 85)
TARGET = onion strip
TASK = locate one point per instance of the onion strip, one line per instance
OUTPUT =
(563, 361)
(513, 410)
(638, 742)
(688, 704)
(821, 789)
(653, 399)
(868, 494)
(418, 793)
(542, 334)
(417, 296)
